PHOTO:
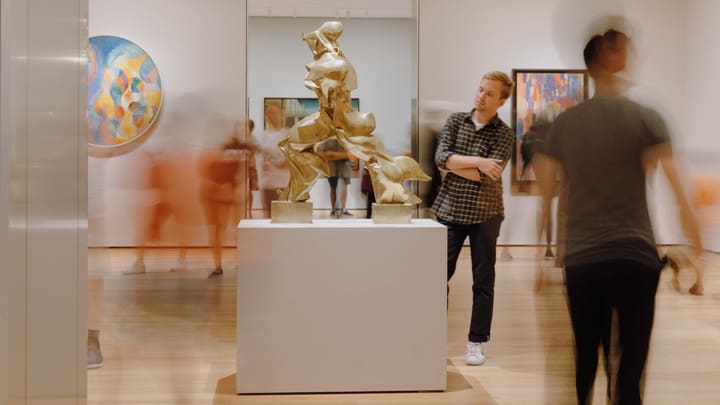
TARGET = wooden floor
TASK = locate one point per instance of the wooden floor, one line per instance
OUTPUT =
(169, 338)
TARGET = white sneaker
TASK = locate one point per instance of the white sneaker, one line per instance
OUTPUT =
(474, 354)
(136, 268)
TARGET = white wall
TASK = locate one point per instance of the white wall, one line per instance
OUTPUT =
(379, 49)
(4, 208)
(199, 49)
(43, 177)
(700, 125)
(459, 39)
(703, 65)
(462, 39)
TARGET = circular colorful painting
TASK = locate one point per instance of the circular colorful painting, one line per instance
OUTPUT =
(124, 92)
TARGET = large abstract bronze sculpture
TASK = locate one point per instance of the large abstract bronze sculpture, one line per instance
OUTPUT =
(331, 76)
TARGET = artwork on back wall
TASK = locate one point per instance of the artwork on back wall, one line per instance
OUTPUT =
(124, 95)
(295, 109)
(539, 96)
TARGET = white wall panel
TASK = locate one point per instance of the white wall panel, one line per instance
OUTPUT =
(4, 185)
(700, 127)
(44, 175)
(14, 185)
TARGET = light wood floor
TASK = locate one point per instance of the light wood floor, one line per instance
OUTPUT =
(169, 338)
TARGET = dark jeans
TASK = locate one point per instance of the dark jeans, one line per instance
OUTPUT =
(483, 240)
(594, 291)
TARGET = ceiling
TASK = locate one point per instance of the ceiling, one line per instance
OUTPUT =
(331, 8)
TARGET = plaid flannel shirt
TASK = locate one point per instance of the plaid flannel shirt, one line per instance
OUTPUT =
(464, 201)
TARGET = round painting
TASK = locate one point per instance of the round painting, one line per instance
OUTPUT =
(124, 93)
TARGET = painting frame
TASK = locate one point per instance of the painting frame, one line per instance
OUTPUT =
(297, 108)
(539, 95)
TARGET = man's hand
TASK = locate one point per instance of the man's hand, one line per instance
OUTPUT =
(492, 168)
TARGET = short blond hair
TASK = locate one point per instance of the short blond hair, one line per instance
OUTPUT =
(503, 79)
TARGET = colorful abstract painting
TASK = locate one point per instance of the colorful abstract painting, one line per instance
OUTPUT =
(124, 92)
(539, 96)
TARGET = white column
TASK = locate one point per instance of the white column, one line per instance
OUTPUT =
(13, 123)
(44, 199)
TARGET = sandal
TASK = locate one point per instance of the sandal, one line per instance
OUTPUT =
(217, 272)
(696, 290)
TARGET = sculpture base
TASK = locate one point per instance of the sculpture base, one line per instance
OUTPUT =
(392, 213)
(293, 326)
(288, 212)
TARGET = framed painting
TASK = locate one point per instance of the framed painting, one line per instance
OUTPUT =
(295, 109)
(539, 96)
(124, 94)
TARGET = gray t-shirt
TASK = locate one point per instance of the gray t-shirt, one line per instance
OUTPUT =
(337, 168)
(599, 145)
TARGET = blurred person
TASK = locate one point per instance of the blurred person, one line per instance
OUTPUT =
(473, 149)
(275, 173)
(678, 258)
(705, 197)
(532, 149)
(367, 191)
(339, 167)
(170, 192)
(248, 169)
(604, 148)
(433, 115)
(219, 171)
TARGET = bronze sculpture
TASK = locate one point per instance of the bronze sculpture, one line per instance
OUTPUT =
(331, 76)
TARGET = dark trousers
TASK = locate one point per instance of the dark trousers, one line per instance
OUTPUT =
(369, 202)
(594, 292)
(483, 241)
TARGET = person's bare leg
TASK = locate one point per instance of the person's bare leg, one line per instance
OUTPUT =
(220, 217)
(333, 199)
(343, 199)
(675, 281)
(548, 238)
(540, 226)
(268, 196)
(94, 313)
(182, 231)
(698, 264)
(343, 196)
(211, 219)
(138, 266)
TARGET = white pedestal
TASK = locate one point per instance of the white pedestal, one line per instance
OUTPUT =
(341, 306)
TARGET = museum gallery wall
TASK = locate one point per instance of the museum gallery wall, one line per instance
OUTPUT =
(202, 73)
(202, 82)
(673, 68)
(518, 38)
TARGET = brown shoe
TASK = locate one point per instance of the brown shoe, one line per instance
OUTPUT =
(696, 290)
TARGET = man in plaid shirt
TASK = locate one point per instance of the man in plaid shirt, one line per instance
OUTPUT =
(473, 150)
